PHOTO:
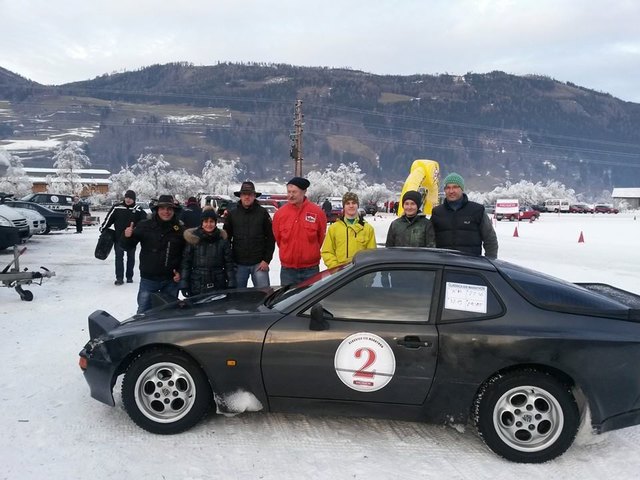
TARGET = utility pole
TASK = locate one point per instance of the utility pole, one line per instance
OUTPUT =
(296, 139)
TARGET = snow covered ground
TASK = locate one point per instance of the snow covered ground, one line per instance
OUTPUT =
(51, 427)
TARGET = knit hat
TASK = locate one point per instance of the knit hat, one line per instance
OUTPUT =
(455, 179)
(130, 194)
(247, 187)
(414, 196)
(192, 201)
(350, 196)
(301, 183)
(208, 212)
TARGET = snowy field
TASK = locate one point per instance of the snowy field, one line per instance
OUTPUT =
(52, 429)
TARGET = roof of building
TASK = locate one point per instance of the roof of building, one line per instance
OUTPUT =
(626, 193)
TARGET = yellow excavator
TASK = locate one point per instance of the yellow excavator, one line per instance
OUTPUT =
(423, 177)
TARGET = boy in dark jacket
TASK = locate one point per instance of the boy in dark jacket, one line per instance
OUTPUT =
(412, 229)
(161, 245)
(206, 263)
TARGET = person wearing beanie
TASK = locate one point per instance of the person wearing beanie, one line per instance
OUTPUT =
(412, 229)
(461, 224)
(190, 214)
(207, 263)
(348, 235)
(161, 244)
(250, 233)
(299, 228)
(120, 216)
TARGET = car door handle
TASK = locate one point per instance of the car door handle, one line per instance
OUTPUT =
(411, 341)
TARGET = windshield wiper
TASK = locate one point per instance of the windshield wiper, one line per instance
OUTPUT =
(270, 300)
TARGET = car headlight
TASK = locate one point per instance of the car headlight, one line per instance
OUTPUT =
(5, 223)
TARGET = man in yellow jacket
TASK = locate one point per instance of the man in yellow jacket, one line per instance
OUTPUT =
(348, 235)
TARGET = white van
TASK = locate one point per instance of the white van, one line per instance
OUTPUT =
(17, 219)
(556, 205)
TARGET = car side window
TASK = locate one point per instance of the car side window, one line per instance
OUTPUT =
(467, 296)
(385, 296)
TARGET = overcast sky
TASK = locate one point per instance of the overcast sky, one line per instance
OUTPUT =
(595, 44)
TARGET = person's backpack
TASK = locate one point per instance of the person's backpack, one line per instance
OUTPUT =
(105, 243)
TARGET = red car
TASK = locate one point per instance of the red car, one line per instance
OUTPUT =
(604, 209)
(580, 208)
(525, 213)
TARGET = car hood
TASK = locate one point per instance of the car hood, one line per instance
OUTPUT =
(220, 302)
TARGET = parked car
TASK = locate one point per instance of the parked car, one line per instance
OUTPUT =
(370, 208)
(524, 213)
(419, 334)
(55, 220)
(37, 223)
(271, 209)
(56, 202)
(17, 220)
(603, 208)
(9, 235)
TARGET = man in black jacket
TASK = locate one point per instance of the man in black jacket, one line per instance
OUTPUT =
(252, 242)
(120, 216)
(161, 245)
(463, 225)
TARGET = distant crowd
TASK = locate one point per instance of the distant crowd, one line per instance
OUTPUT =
(182, 250)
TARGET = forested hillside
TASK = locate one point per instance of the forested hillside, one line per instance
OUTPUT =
(491, 127)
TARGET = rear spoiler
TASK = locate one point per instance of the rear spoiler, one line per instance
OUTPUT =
(625, 297)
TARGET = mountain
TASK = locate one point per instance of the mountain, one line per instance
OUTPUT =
(491, 128)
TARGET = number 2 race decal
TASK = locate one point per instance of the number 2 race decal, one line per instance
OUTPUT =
(364, 362)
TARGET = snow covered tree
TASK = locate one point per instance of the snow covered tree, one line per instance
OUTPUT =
(153, 171)
(182, 184)
(15, 180)
(217, 177)
(120, 183)
(68, 159)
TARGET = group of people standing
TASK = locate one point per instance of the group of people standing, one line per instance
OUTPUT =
(183, 250)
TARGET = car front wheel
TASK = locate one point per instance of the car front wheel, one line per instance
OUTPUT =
(526, 416)
(165, 392)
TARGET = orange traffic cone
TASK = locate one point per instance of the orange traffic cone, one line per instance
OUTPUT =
(581, 238)
(515, 232)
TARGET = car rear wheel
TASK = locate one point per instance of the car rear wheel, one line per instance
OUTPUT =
(526, 416)
(165, 392)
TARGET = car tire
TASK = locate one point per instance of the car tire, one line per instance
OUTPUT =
(526, 416)
(165, 392)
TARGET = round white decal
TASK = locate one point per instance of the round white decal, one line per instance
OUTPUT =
(364, 362)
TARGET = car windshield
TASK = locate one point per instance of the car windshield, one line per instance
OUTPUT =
(288, 295)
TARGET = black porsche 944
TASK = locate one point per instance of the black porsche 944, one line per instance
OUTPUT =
(413, 334)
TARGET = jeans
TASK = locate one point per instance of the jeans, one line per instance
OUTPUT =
(293, 276)
(131, 261)
(148, 287)
(259, 278)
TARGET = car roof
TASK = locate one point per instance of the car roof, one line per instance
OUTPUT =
(437, 256)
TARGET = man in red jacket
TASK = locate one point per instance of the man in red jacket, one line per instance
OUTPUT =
(299, 228)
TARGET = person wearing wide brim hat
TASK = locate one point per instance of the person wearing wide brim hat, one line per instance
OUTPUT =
(166, 201)
(250, 232)
(247, 188)
(161, 243)
(461, 224)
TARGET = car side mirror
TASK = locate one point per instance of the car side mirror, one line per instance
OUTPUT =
(318, 323)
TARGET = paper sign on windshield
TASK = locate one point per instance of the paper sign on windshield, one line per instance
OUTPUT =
(462, 296)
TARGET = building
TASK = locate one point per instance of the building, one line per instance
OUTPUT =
(94, 180)
(629, 195)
